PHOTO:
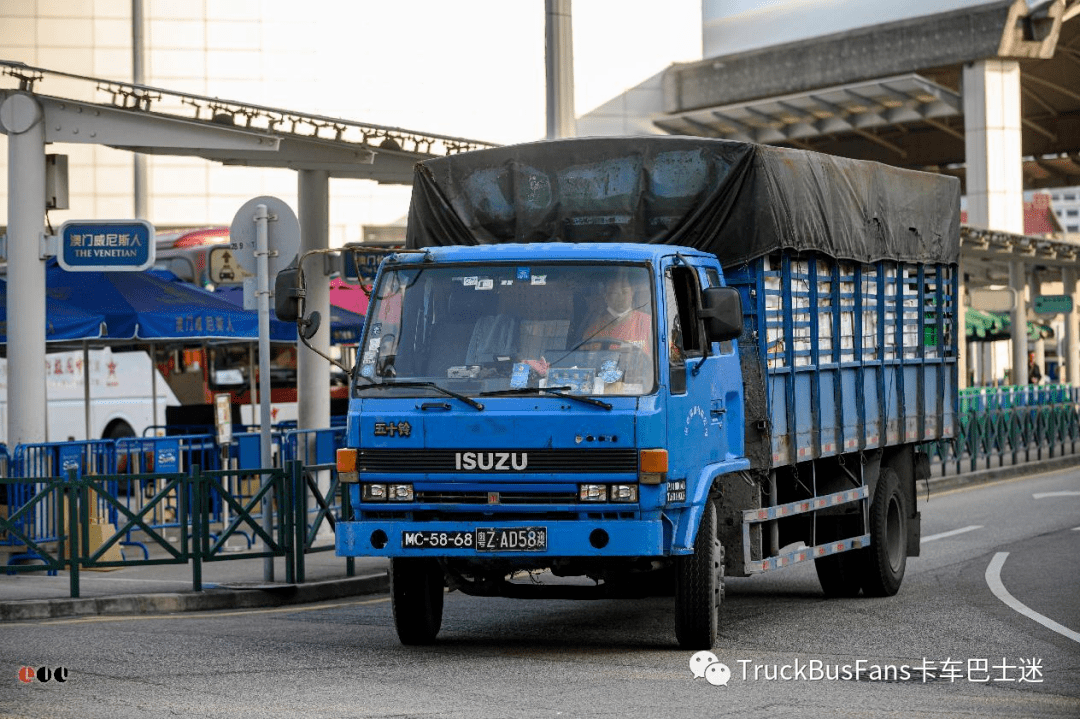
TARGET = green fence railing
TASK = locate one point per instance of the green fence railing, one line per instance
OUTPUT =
(1011, 425)
(52, 529)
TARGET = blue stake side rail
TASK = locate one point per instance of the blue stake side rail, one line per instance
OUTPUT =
(857, 356)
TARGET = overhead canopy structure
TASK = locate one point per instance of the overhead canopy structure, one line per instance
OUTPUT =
(892, 92)
(152, 120)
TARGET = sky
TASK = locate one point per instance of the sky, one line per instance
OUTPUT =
(482, 61)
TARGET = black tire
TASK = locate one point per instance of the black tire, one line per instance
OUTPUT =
(416, 596)
(118, 430)
(840, 574)
(699, 587)
(885, 560)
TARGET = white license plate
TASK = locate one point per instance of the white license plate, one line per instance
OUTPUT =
(511, 539)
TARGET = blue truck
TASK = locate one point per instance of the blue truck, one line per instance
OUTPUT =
(648, 364)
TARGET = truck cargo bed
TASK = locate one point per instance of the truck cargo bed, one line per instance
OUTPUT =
(855, 356)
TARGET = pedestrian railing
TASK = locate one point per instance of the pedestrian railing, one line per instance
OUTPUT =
(79, 539)
(1011, 425)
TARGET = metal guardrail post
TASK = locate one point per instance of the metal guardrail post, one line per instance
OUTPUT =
(287, 520)
(73, 512)
(296, 478)
(198, 527)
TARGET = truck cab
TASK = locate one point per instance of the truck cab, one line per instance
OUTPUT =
(561, 407)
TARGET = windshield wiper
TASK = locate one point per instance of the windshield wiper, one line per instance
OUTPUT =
(429, 385)
(556, 391)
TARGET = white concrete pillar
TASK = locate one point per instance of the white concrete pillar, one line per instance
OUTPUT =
(22, 118)
(560, 70)
(313, 372)
(992, 145)
(1071, 339)
(987, 375)
(1018, 319)
(1038, 347)
(993, 154)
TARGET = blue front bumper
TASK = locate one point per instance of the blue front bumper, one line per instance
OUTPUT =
(625, 538)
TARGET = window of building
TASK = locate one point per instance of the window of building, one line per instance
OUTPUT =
(1072, 213)
(1073, 228)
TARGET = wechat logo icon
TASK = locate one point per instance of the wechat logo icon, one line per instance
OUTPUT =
(715, 672)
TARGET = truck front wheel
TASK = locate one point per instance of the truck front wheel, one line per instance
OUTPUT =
(699, 587)
(416, 596)
(885, 560)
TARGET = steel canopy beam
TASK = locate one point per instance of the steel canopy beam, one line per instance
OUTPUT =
(87, 123)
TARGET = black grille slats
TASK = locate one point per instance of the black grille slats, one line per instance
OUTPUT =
(437, 461)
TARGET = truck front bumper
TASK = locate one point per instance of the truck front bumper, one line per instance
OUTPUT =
(590, 538)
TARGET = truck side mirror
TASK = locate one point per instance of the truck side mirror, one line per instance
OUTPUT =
(287, 294)
(722, 311)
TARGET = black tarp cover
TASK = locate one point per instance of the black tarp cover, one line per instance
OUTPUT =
(736, 200)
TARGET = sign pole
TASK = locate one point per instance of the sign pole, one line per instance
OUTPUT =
(262, 264)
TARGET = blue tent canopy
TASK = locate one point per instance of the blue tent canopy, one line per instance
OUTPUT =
(63, 322)
(147, 306)
(345, 326)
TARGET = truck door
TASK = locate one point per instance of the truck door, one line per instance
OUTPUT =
(690, 427)
(702, 406)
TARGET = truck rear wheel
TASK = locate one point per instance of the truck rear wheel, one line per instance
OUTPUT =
(840, 574)
(416, 597)
(885, 560)
(699, 587)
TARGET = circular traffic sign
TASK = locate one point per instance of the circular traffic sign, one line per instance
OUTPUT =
(283, 235)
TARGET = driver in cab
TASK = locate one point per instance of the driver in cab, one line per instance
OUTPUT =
(620, 323)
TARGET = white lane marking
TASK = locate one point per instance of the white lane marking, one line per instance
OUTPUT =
(1076, 529)
(1066, 493)
(951, 533)
(993, 580)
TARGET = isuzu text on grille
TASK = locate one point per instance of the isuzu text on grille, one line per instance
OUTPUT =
(491, 461)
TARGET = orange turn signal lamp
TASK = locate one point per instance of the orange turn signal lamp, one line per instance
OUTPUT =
(346, 465)
(652, 466)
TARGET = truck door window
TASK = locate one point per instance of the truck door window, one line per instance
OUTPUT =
(712, 278)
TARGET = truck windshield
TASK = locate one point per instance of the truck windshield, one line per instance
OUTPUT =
(585, 329)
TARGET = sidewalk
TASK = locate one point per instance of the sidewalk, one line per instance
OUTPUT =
(166, 588)
(240, 584)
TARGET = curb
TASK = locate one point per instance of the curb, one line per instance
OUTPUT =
(208, 600)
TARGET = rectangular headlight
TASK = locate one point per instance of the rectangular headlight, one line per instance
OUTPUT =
(400, 492)
(592, 492)
(624, 493)
(373, 493)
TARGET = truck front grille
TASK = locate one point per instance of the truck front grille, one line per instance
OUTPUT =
(488, 461)
(443, 497)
